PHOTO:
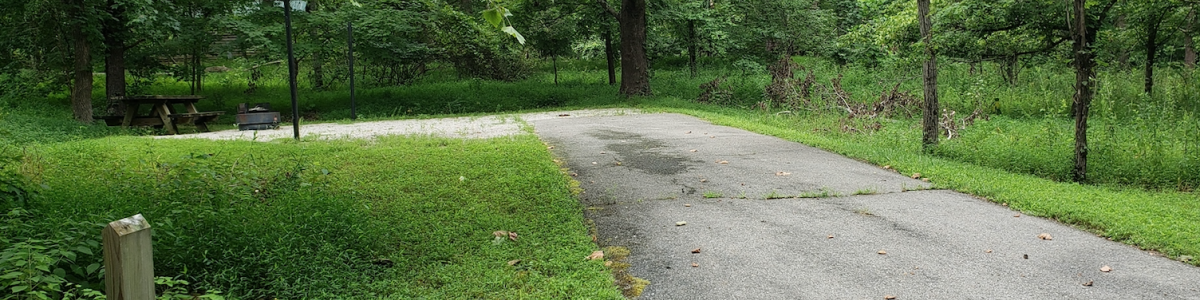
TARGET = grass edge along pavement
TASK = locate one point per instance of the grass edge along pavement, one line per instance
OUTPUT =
(425, 207)
(1164, 222)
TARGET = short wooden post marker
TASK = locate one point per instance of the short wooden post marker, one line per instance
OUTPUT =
(128, 259)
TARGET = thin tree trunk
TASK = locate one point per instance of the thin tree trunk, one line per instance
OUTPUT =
(1151, 52)
(930, 117)
(635, 67)
(81, 91)
(114, 64)
(555, 60)
(1084, 71)
(1189, 47)
(609, 57)
(692, 48)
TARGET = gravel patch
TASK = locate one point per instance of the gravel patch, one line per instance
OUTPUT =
(481, 127)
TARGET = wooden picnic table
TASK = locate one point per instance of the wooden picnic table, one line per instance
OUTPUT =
(162, 112)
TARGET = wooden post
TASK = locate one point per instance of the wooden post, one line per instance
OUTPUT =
(128, 259)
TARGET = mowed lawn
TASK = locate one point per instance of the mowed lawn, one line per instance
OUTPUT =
(396, 217)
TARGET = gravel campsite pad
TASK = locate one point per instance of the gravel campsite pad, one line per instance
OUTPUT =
(481, 127)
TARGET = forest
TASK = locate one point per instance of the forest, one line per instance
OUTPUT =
(1083, 111)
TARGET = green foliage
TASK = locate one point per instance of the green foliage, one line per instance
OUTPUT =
(342, 219)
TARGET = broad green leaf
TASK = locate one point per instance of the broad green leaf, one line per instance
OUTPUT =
(92, 268)
(513, 32)
(84, 250)
(11, 275)
(19, 288)
(493, 16)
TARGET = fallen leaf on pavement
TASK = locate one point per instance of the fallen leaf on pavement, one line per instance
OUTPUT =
(882, 252)
(596, 255)
(595, 163)
(695, 265)
(723, 162)
(889, 297)
(887, 167)
(514, 262)
(1089, 283)
(1045, 236)
(697, 250)
(1026, 256)
(693, 150)
(1017, 216)
(916, 175)
(703, 180)
(830, 236)
(782, 173)
(689, 132)
(680, 223)
(1105, 269)
(551, 147)
(564, 115)
(987, 251)
(687, 205)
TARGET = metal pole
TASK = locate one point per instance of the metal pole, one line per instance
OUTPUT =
(287, 19)
(350, 57)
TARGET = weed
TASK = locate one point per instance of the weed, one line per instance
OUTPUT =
(824, 192)
(866, 191)
(711, 194)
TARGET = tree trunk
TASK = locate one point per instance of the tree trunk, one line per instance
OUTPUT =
(692, 48)
(635, 67)
(81, 91)
(1151, 51)
(1084, 72)
(608, 55)
(555, 60)
(114, 61)
(1189, 47)
(930, 117)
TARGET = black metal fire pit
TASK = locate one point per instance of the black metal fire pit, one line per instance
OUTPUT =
(257, 117)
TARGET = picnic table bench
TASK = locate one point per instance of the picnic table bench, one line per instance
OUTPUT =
(162, 112)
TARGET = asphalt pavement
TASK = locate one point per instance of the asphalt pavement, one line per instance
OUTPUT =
(775, 219)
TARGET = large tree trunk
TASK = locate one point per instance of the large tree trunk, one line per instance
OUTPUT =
(692, 48)
(114, 61)
(1084, 72)
(609, 56)
(1189, 47)
(635, 67)
(1151, 51)
(930, 118)
(81, 91)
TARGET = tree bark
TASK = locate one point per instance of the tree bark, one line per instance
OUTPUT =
(692, 48)
(114, 61)
(1084, 72)
(1189, 46)
(635, 67)
(930, 117)
(609, 56)
(1151, 51)
(81, 90)
(555, 60)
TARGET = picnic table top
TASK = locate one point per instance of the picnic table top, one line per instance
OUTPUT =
(160, 97)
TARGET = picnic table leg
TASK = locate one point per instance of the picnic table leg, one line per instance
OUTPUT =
(164, 112)
(191, 107)
(130, 111)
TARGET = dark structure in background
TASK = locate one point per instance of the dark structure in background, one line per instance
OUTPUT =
(258, 117)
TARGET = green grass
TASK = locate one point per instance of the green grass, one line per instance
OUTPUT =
(317, 219)
(712, 194)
